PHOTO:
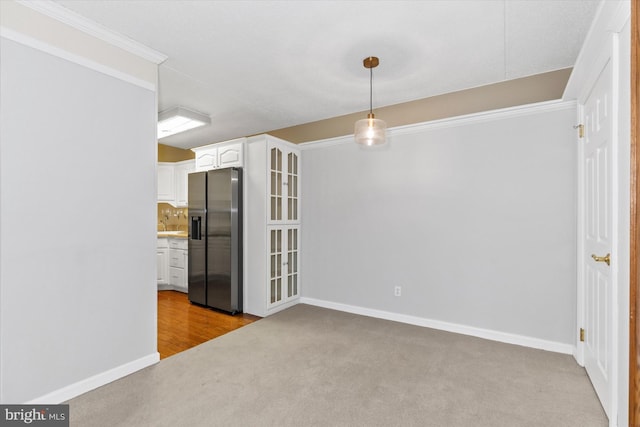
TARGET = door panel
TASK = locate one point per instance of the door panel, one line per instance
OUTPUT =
(275, 265)
(599, 286)
(292, 262)
(292, 186)
(275, 184)
(219, 239)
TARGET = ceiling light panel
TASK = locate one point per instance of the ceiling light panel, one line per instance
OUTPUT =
(180, 119)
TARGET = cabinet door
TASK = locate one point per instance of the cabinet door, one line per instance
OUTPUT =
(283, 184)
(283, 263)
(185, 284)
(275, 179)
(274, 288)
(291, 264)
(176, 258)
(182, 182)
(162, 264)
(206, 159)
(230, 156)
(176, 277)
(292, 186)
(166, 183)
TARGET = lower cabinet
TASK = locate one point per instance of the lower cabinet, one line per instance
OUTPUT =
(163, 262)
(178, 264)
(283, 244)
(172, 264)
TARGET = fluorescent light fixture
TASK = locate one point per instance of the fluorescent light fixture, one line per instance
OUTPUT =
(179, 119)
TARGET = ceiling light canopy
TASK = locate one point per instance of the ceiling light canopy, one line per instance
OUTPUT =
(179, 119)
(371, 131)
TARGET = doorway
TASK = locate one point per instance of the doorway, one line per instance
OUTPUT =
(182, 325)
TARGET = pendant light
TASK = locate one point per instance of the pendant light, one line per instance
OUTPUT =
(370, 131)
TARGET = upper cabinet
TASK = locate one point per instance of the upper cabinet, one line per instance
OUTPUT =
(221, 155)
(283, 182)
(182, 171)
(166, 183)
(231, 155)
(173, 181)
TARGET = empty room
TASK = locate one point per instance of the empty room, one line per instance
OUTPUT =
(369, 212)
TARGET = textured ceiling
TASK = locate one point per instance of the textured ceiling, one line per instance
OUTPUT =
(255, 66)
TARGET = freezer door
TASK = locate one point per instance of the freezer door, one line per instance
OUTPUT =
(223, 275)
(197, 238)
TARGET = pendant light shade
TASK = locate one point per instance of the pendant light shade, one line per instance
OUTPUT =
(371, 131)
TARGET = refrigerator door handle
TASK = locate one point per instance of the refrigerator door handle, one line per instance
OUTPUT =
(196, 229)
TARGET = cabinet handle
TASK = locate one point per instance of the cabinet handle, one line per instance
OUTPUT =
(285, 263)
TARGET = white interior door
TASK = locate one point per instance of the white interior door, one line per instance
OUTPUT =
(599, 281)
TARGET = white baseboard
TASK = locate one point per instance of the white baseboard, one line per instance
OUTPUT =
(488, 334)
(172, 288)
(88, 384)
(278, 308)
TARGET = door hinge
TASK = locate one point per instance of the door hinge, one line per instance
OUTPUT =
(581, 334)
(580, 130)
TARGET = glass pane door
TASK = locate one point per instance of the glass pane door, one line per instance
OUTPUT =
(292, 262)
(275, 185)
(275, 266)
(292, 187)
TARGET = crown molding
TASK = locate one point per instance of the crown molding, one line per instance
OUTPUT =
(467, 119)
(79, 22)
(17, 37)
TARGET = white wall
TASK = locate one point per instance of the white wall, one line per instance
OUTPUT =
(474, 218)
(77, 277)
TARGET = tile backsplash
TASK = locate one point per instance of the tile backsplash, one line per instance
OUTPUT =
(172, 219)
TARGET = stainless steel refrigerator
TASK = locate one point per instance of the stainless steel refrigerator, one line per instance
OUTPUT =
(215, 239)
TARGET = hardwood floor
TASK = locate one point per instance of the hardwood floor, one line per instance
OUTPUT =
(182, 325)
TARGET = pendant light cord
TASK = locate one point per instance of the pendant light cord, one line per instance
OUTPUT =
(371, 90)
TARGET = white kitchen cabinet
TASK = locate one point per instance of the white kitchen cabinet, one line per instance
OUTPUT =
(173, 182)
(178, 264)
(283, 265)
(283, 182)
(271, 225)
(221, 155)
(206, 157)
(182, 171)
(172, 263)
(230, 155)
(166, 183)
(162, 262)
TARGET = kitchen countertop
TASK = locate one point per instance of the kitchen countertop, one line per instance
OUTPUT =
(173, 234)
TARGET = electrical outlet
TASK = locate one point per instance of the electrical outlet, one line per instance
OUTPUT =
(397, 291)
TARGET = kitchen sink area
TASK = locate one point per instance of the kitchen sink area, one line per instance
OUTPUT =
(172, 250)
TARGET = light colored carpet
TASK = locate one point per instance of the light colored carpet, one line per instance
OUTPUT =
(309, 366)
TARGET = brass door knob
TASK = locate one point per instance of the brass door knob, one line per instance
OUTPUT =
(606, 258)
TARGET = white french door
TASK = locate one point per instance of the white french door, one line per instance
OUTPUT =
(598, 260)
